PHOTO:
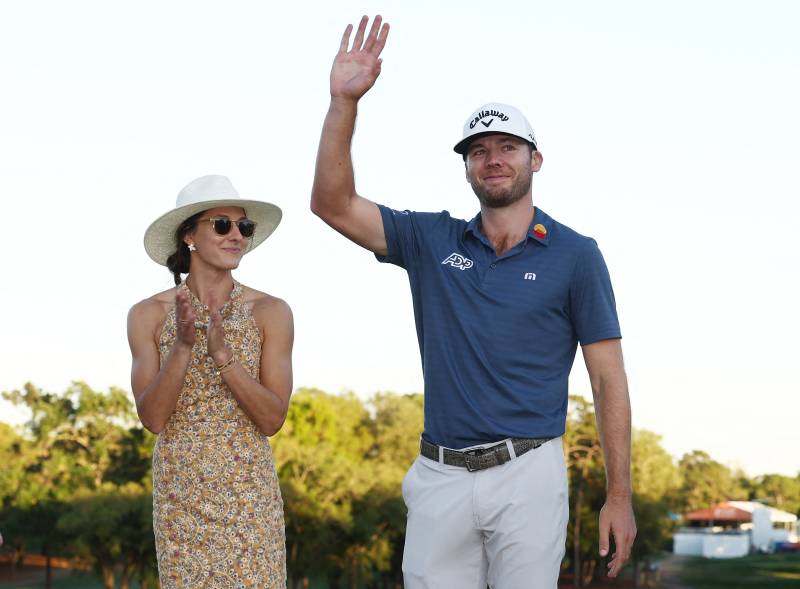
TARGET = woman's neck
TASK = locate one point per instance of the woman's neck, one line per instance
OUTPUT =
(210, 284)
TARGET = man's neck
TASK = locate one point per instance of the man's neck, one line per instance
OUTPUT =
(505, 227)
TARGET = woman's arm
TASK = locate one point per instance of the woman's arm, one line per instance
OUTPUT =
(267, 402)
(156, 388)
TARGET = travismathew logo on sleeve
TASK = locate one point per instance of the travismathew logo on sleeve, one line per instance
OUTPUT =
(487, 113)
(458, 261)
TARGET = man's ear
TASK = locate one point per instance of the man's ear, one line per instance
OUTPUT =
(536, 160)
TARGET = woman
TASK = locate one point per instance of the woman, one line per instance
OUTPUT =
(212, 376)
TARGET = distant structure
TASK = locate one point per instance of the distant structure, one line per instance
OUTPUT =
(734, 528)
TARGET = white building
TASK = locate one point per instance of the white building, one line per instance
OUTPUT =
(734, 528)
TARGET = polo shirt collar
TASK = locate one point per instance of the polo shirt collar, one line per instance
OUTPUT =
(474, 226)
(539, 229)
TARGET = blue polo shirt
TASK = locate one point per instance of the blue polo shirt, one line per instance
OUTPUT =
(498, 335)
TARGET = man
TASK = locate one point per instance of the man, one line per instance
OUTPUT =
(500, 304)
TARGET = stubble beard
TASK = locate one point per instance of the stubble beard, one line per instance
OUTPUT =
(497, 198)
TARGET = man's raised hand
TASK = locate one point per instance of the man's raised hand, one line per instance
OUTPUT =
(355, 71)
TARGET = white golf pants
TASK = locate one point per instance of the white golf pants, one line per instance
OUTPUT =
(504, 526)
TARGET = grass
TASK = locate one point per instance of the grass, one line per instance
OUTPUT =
(765, 571)
(61, 580)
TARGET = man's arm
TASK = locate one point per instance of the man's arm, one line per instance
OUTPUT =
(333, 195)
(613, 409)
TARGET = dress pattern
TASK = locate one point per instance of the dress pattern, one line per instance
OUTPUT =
(217, 506)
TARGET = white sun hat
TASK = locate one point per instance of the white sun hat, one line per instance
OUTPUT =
(207, 192)
(492, 118)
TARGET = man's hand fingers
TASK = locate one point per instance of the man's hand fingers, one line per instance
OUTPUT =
(616, 564)
(362, 26)
(621, 556)
(624, 543)
(373, 33)
(613, 569)
(604, 530)
(380, 42)
(345, 39)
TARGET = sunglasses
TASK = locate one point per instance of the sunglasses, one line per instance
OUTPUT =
(222, 226)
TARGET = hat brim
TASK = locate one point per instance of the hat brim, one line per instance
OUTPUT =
(159, 239)
(462, 146)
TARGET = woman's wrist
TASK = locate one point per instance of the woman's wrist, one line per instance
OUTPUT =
(222, 357)
(182, 347)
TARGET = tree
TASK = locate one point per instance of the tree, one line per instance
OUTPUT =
(586, 471)
(112, 530)
(33, 528)
(13, 453)
(398, 424)
(75, 445)
(706, 482)
(777, 491)
(341, 463)
(319, 454)
(655, 479)
(656, 482)
(76, 436)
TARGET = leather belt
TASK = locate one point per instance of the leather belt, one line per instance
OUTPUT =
(480, 458)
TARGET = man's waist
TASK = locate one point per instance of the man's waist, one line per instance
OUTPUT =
(482, 456)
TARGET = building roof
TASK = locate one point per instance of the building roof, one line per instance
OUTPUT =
(738, 511)
(775, 515)
(721, 512)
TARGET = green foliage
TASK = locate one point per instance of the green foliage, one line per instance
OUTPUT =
(655, 475)
(76, 481)
(72, 439)
(12, 453)
(656, 481)
(706, 482)
(586, 473)
(341, 464)
(112, 529)
(777, 491)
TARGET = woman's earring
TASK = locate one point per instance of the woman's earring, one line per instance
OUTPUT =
(192, 248)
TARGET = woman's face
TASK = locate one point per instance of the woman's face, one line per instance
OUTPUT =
(220, 251)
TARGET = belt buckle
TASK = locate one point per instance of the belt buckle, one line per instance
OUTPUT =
(471, 465)
(474, 459)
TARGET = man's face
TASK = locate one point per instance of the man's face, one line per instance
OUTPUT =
(500, 168)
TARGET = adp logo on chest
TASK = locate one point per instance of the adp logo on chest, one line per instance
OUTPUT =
(458, 261)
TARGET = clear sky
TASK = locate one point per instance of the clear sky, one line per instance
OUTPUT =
(669, 132)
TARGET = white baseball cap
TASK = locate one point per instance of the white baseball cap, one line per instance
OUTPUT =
(492, 118)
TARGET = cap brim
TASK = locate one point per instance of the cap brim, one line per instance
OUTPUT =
(159, 239)
(462, 146)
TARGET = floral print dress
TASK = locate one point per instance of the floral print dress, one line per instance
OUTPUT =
(217, 507)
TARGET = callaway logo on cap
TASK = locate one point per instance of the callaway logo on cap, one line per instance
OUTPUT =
(495, 118)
